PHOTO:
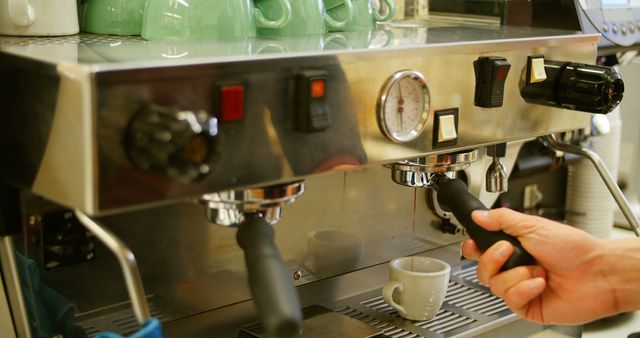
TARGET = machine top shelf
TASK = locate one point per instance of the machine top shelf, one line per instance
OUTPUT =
(108, 52)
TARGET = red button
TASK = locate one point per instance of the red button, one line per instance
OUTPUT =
(232, 103)
(502, 73)
(317, 89)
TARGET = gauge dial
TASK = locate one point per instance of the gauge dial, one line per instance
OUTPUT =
(403, 106)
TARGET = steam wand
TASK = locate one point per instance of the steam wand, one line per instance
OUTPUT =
(551, 142)
(127, 262)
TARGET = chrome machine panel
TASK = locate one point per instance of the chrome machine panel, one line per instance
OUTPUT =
(76, 154)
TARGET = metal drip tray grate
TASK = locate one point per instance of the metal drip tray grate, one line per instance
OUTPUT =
(468, 307)
(120, 321)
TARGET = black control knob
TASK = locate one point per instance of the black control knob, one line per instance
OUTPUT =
(574, 86)
(172, 142)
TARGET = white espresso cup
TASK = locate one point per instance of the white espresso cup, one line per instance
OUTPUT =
(417, 286)
(38, 17)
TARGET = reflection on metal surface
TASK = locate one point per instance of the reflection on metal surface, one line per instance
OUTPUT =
(182, 256)
(497, 179)
(228, 207)
(100, 94)
(321, 322)
(109, 49)
(331, 252)
(440, 163)
(419, 173)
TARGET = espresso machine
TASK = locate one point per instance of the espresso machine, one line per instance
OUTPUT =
(232, 188)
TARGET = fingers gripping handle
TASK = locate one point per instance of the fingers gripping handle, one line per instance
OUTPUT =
(454, 196)
(269, 279)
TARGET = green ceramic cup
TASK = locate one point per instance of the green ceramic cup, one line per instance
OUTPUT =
(364, 15)
(210, 19)
(118, 17)
(308, 17)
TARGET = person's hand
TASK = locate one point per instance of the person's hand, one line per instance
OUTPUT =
(569, 284)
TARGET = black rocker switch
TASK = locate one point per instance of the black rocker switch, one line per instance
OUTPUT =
(491, 74)
(311, 108)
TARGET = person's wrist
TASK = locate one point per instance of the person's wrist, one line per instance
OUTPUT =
(619, 263)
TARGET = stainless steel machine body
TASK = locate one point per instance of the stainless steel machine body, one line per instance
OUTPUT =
(87, 166)
(70, 141)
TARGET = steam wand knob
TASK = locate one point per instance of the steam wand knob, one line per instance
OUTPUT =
(574, 86)
(454, 196)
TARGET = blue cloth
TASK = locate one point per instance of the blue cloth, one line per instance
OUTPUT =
(49, 312)
(150, 329)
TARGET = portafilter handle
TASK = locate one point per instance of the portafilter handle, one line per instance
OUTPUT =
(454, 196)
(269, 279)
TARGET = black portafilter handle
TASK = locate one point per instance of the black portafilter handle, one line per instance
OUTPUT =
(269, 279)
(454, 196)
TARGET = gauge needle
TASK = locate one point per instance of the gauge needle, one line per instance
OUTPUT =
(400, 107)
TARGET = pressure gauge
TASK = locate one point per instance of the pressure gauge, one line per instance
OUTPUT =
(403, 106)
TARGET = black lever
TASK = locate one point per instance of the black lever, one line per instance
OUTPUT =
(269, 279)
(454, 196)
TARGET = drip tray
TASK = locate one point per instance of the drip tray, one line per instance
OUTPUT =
(320, 322)
(469, 308)
(119, 319)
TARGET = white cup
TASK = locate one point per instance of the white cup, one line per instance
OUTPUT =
(417, 286)
(38, 17)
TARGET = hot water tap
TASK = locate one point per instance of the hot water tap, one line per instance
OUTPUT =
(439, 172)
(254, 212)
(497, 179)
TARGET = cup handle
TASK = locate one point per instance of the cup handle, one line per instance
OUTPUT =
(390, 13)
(21, 12)
(275, 45)
(284, 19)
(339, 36)
(334, 24)
(387, 295)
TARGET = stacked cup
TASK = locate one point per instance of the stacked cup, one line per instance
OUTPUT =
(363, 16)
(117, 17)
(38, 17)
(183, 19)
(220, 19)
(207, 19)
